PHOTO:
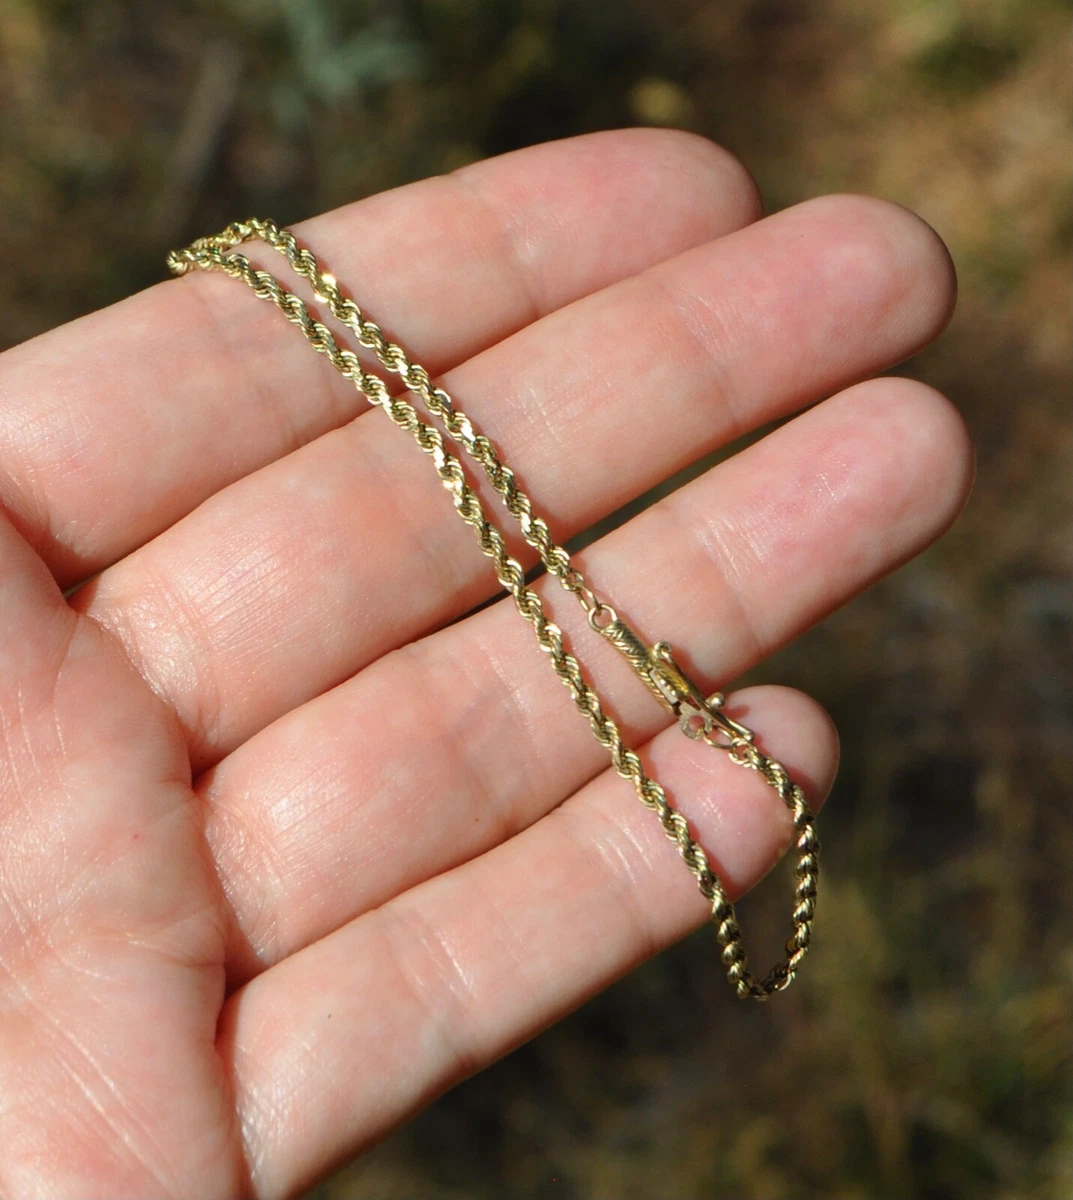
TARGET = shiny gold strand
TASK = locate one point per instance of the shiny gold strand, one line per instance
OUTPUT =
(699, 717)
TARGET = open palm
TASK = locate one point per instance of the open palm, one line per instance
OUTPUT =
(288, 842)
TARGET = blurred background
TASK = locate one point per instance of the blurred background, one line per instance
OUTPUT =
(926, 1051)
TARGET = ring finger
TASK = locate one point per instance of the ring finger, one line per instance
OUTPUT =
(436, 753)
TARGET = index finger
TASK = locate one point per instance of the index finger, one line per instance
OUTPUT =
(117, 425)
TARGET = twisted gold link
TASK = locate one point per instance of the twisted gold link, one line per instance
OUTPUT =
(655, 665)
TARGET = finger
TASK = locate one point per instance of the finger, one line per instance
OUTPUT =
(450, 976)
(118, 424)
(302, 574)
(436, 753)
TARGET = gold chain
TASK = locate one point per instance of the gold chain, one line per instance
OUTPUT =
(699, 717)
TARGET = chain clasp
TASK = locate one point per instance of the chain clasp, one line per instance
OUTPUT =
(699, 716)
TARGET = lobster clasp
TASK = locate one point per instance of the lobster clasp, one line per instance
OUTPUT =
(678, 691)
(698, 715)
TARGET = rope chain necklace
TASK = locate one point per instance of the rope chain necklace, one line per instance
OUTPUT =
(699, 717)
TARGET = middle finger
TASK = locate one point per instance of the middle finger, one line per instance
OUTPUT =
(299, 575)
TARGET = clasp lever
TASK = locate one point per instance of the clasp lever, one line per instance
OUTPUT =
(698, 715)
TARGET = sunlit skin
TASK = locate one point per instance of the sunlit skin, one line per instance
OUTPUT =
(288, 844)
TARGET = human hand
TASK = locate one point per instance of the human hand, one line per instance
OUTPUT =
(284, 852)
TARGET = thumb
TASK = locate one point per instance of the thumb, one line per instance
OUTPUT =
(36, 624)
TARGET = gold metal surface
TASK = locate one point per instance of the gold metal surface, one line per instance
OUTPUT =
(699, 717)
